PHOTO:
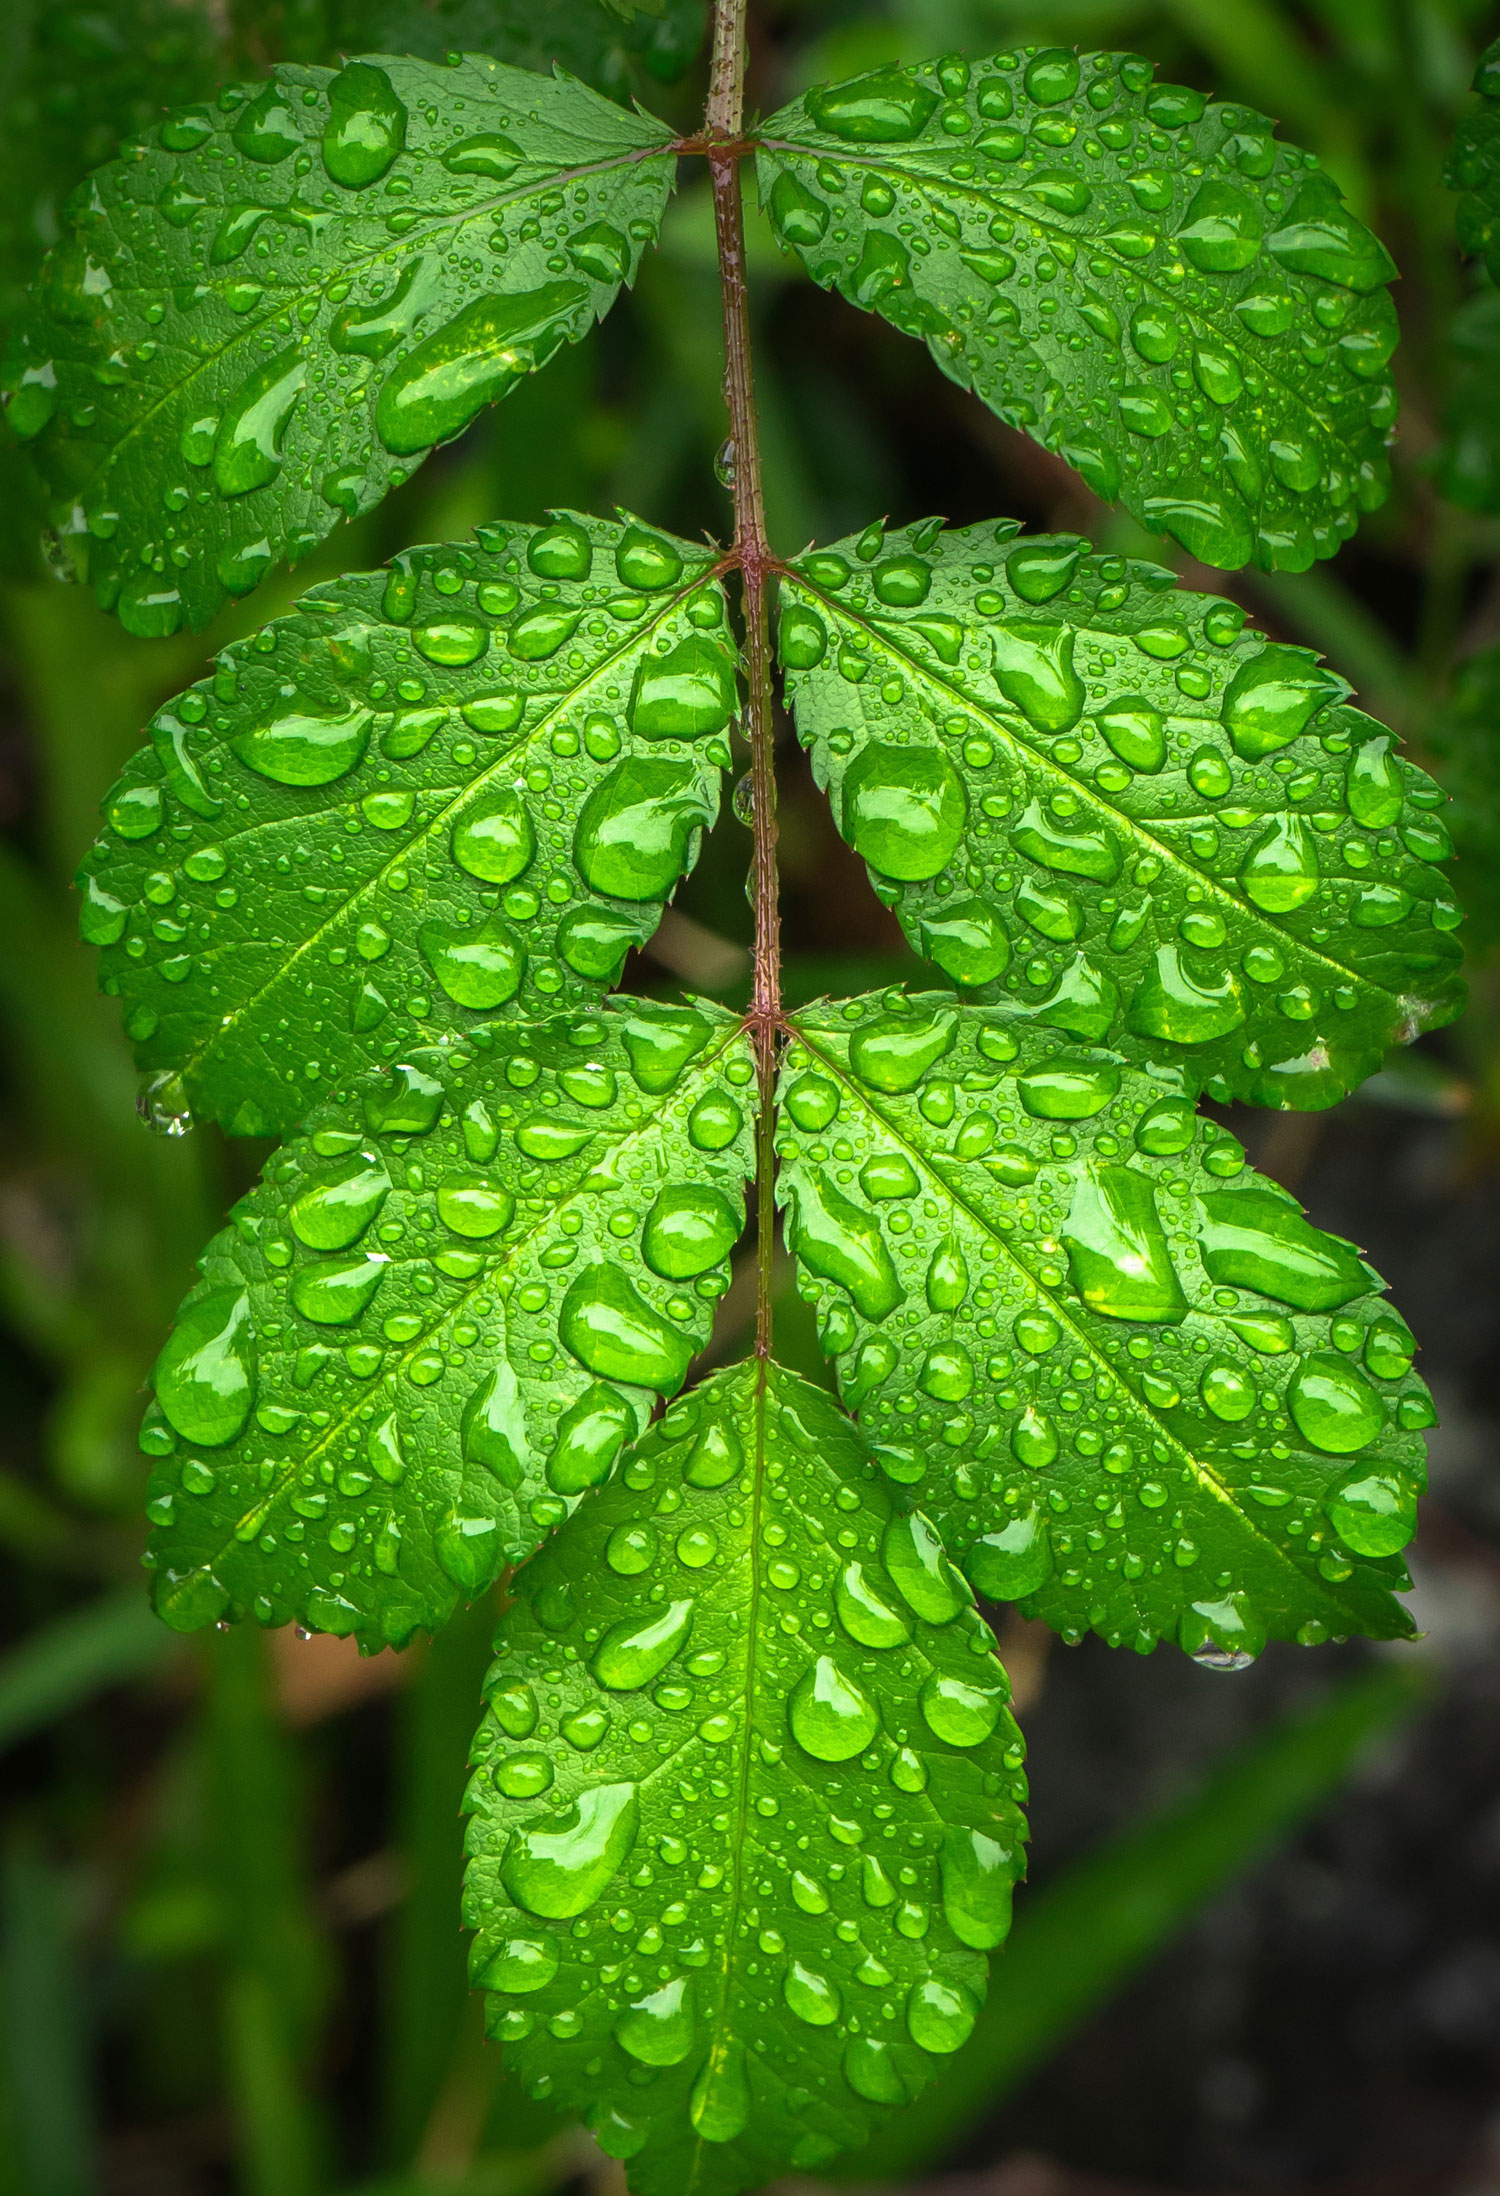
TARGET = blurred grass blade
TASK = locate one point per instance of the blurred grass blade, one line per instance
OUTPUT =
(64, 1663)
(1082, 1937)
(49, 2109)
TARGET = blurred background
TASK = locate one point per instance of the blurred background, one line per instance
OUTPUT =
(1261, 1946)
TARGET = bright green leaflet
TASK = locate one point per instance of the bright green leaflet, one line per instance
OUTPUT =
(267, 316)
(1179, 305)
(1099, 795)
(1135, 1390)
(452, 1299)
(1462, 737)
(464, 784)
(1474, 166)
(747, 1799)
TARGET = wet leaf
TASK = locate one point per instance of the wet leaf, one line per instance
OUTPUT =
(1474, 166)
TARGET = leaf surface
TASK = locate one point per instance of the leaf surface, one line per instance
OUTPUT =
(464, 784)
(266, 315)
(603, 43)
(1151, 284)
(1474, 166)
(1462, 738)
(746, 1799)
(434, 1324)
(1103, 797)
(1134, 1388)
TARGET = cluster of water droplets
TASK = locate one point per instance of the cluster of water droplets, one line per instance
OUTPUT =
(746, 1796)
(1179, 305)
(1104, 798)
(1136, 1388)
(434, 1326)
(462, 786)
(281, 302)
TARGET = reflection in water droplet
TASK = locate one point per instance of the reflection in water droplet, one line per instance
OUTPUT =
(298, 748)
(975, 1871)
(335, 1291)
(660, 2028)
(810, 1996)
(560, 1867)
(205, 1376)
(1332, 1404)
(610, 1328)
(830, 1717)
(336, 1208)
(940, 2016)
(636, 1650)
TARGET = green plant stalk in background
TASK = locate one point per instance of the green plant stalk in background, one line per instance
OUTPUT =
(744, 1818)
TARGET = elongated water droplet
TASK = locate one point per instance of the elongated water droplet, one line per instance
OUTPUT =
(1257, 1239)
(248, 447)
(831, 1718)
(637, 1649)
(493, 1431)
(975, 1871)
(335, 1291)
(334, 1211)
(205, 1376)
(561, 1866)
(886, 107)
(589, 1437)
(1117, 1248)
(925, 1579)
(366, 126)
(811, 1996)
(610, 1328)
(636, 828)
(719, 2103)
(842, 1242)
(1013, 1561)
(299, 748)
(895, 1052)
(520, 1965)
(476, 359)
(864, 1612)
(940, 2016)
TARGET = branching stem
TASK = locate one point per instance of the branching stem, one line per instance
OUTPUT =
(722, 142)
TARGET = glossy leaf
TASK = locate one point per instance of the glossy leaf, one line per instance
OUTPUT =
(1464, 738)
(606, 43)
(1474, 166)
(451, 1300)
(266, 316)
(1133, 1387)
(464, 784)
(746, 1802)
(1151, 284)
(1109, 801)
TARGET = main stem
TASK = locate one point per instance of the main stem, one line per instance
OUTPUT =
(723, 122)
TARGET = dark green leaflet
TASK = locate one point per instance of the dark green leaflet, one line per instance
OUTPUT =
(432, 1327)
(606, 45)
(1180, 306)
(1474, 166)
(747, 1799)
(1132, 1386)
(1083, 788)
(463, 784)
(1468, 465)
(265, 317)
(1463, 738)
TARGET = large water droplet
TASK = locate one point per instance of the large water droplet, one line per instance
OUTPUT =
(560, 1866)
(967, 941)
(495, 841)
(335, 1291)
(842, 1242)
(638, 1649)
(659, 1043)
(1375, 790)
(716, 1457)
(1135, 732)
(688, 1230)
(1320, 236)
(975, 1871)
(469, 1551)
(1034, 670)
(610, 1328)
(1333, 1405)
(1375, 1516)
(1069, 1088)
(636, 828)
(1117, 1248)
(925, 1579)
(895, 1052)
(940, 2016)
(1074, 853)
(1222, 231)
(299, 748)
(493, 1428)
(478, 968)
(589, 1437)
(719, 2103)
(686, 694)
(335, 1209)
(1257, 1239)
(1173, 1004)
(1013, 1561)
(476, 359)
(810, 1996)
(864, 1612)
(248, 447)
(1272, 698)
(1281, 869)
(520, 1965)
(885, 107)
(830, 1717)
(871, 2071)
(266, 129)
(660, 2028)
(646, 561)
(366, 126)
(904, 809)
(205, 1376)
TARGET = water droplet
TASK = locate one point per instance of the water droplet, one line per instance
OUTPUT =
(940, 2016)
(475, 1209)
(299, 748)
(469, 1551)
(885, 107)
(810, 1996)
(947, 1278)
(796, 216)
(248, 447)
(960, 1711)
(1034, 1440)
(802, 637)
(976, 1872)
(1333, 1406)
(1052, 76)
(520, 1965)
(1321, 237)
(715, 1458)
(601, 251)
(366, 126)
(1272, 698)
(613, 1331)
(1171, 1003)
(904, 809)
(636, 828)
(830, 1717)
(1281, 870)
(636, 1650)
(893, 1053)
(864, 1612)
(514, 1708)
(335, 1291)
(205, 1376)
(162, 1103)
(1069, 1088)
(266, 130)
(925, 1579)
(688, 1230)
(495, 841)
(479, 356)
(336, 1208)
(1117, 1248)
(1258, 1239)
(590, 1436)
(659, 2029)
(659, 1043)
(477, 968)
(871, 2071)
(523, 1776)
(1375, 790)
(1134, 732)
(841, 1241)
(714, 1122)
(1074, 853)
(493, 1428)
(967, 941)
(719, 2103)
(1034, 670)
(647, 561)
(1013, 1561)
(1375, 1516)
(1222, 231)
(1166, 1128)
(561, 1866)
(631, 1549)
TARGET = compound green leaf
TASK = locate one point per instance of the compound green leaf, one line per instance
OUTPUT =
(1464, 737)
(746, 1805)
(1180, 306)
(1101, 796)
(1474, 166)
(266, 316)
(1135, 1389)
(464, 784)
(605, 44)
(453, 1297)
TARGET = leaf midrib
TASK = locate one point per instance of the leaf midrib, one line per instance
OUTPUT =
(1129, 826)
